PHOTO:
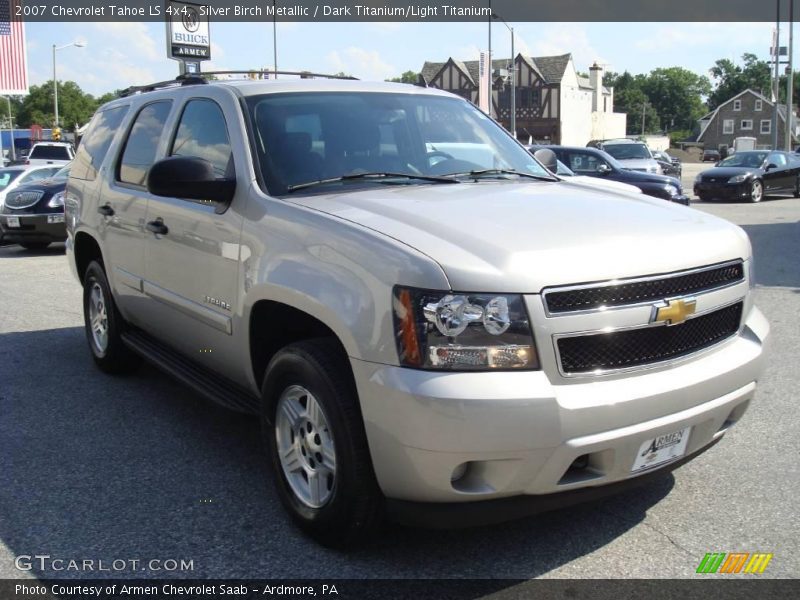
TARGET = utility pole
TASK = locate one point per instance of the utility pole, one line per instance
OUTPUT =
(790, 83)
(776, 88)
(644, 105)
(274, 39)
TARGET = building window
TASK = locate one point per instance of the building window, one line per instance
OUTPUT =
(766, 126)
(737, 105)
(747, 125)
(727, 126)
(759, 105)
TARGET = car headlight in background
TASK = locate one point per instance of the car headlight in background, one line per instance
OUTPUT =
(57, 201)
(738, 178)
(462, 332)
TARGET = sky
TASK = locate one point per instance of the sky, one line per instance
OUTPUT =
(118, 55)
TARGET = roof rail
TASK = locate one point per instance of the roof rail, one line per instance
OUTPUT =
(179, 81)
(268, 72)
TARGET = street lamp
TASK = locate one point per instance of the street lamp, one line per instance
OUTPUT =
(513, 77)
(77, 44)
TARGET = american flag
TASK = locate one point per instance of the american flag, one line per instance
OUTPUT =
(13, 56)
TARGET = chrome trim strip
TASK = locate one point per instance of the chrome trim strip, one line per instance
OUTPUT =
(613, 282)
(187, 307)
(129, 279)
(648, 366)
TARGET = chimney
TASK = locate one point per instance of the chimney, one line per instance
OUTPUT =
(596, 81)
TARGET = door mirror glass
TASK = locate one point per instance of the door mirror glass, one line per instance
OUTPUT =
(603, 169)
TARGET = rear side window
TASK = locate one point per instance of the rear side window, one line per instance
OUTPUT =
(142, 143)
(203, 133)
(95, 144)
(50, 153)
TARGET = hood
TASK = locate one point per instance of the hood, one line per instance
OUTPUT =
(605, 183)
(44, 185)
(728, 172)
(635, 177)
(524, 236)
(638, 163)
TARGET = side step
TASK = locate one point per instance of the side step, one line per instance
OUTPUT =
(212, 386)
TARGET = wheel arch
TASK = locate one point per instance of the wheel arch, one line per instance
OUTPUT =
(86, 249)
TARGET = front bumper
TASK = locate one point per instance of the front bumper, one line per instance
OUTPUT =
(33, 228)
(518, 434)
(724, 191)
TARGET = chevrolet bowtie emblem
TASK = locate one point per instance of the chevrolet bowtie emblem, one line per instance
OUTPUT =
(674, 312)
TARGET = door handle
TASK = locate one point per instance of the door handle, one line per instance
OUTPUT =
(157, 227)
(106, 210)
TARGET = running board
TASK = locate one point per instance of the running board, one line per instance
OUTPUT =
(211, 386)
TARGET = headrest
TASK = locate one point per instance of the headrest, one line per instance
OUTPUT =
(296, 142)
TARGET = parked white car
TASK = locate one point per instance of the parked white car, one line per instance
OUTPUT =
(51, 153)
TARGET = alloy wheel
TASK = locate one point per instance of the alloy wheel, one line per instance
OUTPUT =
(98, 318)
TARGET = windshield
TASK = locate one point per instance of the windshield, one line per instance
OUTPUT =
(744, 159)
(62, 173)
(311, 137)
(7, 176)
(627, 151)
(50, 153)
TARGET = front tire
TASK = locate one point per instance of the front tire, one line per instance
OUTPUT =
(756, 191)
(104, 324)
(314, 434)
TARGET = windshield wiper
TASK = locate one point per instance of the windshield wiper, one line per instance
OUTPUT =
(482, 172)
(377, 175)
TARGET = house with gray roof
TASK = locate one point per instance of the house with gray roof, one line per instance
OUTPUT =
(747, 114)
(553, 103)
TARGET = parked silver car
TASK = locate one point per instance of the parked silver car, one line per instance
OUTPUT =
(632, 154)
(428, 323)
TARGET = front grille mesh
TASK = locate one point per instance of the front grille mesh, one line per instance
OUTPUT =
(639, 347)
(637, 292)
(22, 199)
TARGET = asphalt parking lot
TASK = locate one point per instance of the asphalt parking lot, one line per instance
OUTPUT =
(95, 467)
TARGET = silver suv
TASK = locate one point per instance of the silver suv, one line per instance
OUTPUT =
(633, 155)
(429, 324)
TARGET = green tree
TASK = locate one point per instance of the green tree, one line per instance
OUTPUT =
(630, 98)
(74, 106)
(407, 77)
(677, 95)
(731, 79)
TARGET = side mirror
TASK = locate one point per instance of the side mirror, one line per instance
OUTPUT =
(603, 169)
(190, 178)
(771, 166)
(548, 158)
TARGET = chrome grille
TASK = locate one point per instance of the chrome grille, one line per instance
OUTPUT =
(22, 199)
(644, 346)
(592, 297)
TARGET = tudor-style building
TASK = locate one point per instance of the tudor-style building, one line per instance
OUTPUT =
(747, 114)
(553, 103)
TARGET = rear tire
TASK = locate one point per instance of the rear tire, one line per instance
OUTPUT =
(34, 245)
(756, 191)
(314, 434)
(104, 324)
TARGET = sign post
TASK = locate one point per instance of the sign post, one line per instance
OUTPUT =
(188, 35)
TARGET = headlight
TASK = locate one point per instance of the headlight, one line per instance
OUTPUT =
(698, 178)
(738, 178)
(671, 189)
(56, 201)
(462, 332)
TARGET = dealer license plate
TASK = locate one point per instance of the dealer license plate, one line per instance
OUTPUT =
(661, 449)
(12, 221)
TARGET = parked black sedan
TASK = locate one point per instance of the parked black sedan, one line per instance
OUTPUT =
(33, 214)
(750, 175)
(596, 163)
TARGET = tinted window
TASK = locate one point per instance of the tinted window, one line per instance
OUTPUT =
(50, 153)
(7, 176)
(777, 159)
(202, 133)
(96, 142)
(581, 162)
(142, 143)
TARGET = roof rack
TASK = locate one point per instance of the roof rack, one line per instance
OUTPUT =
(268, 72)
(200, 78)
(179, 81)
